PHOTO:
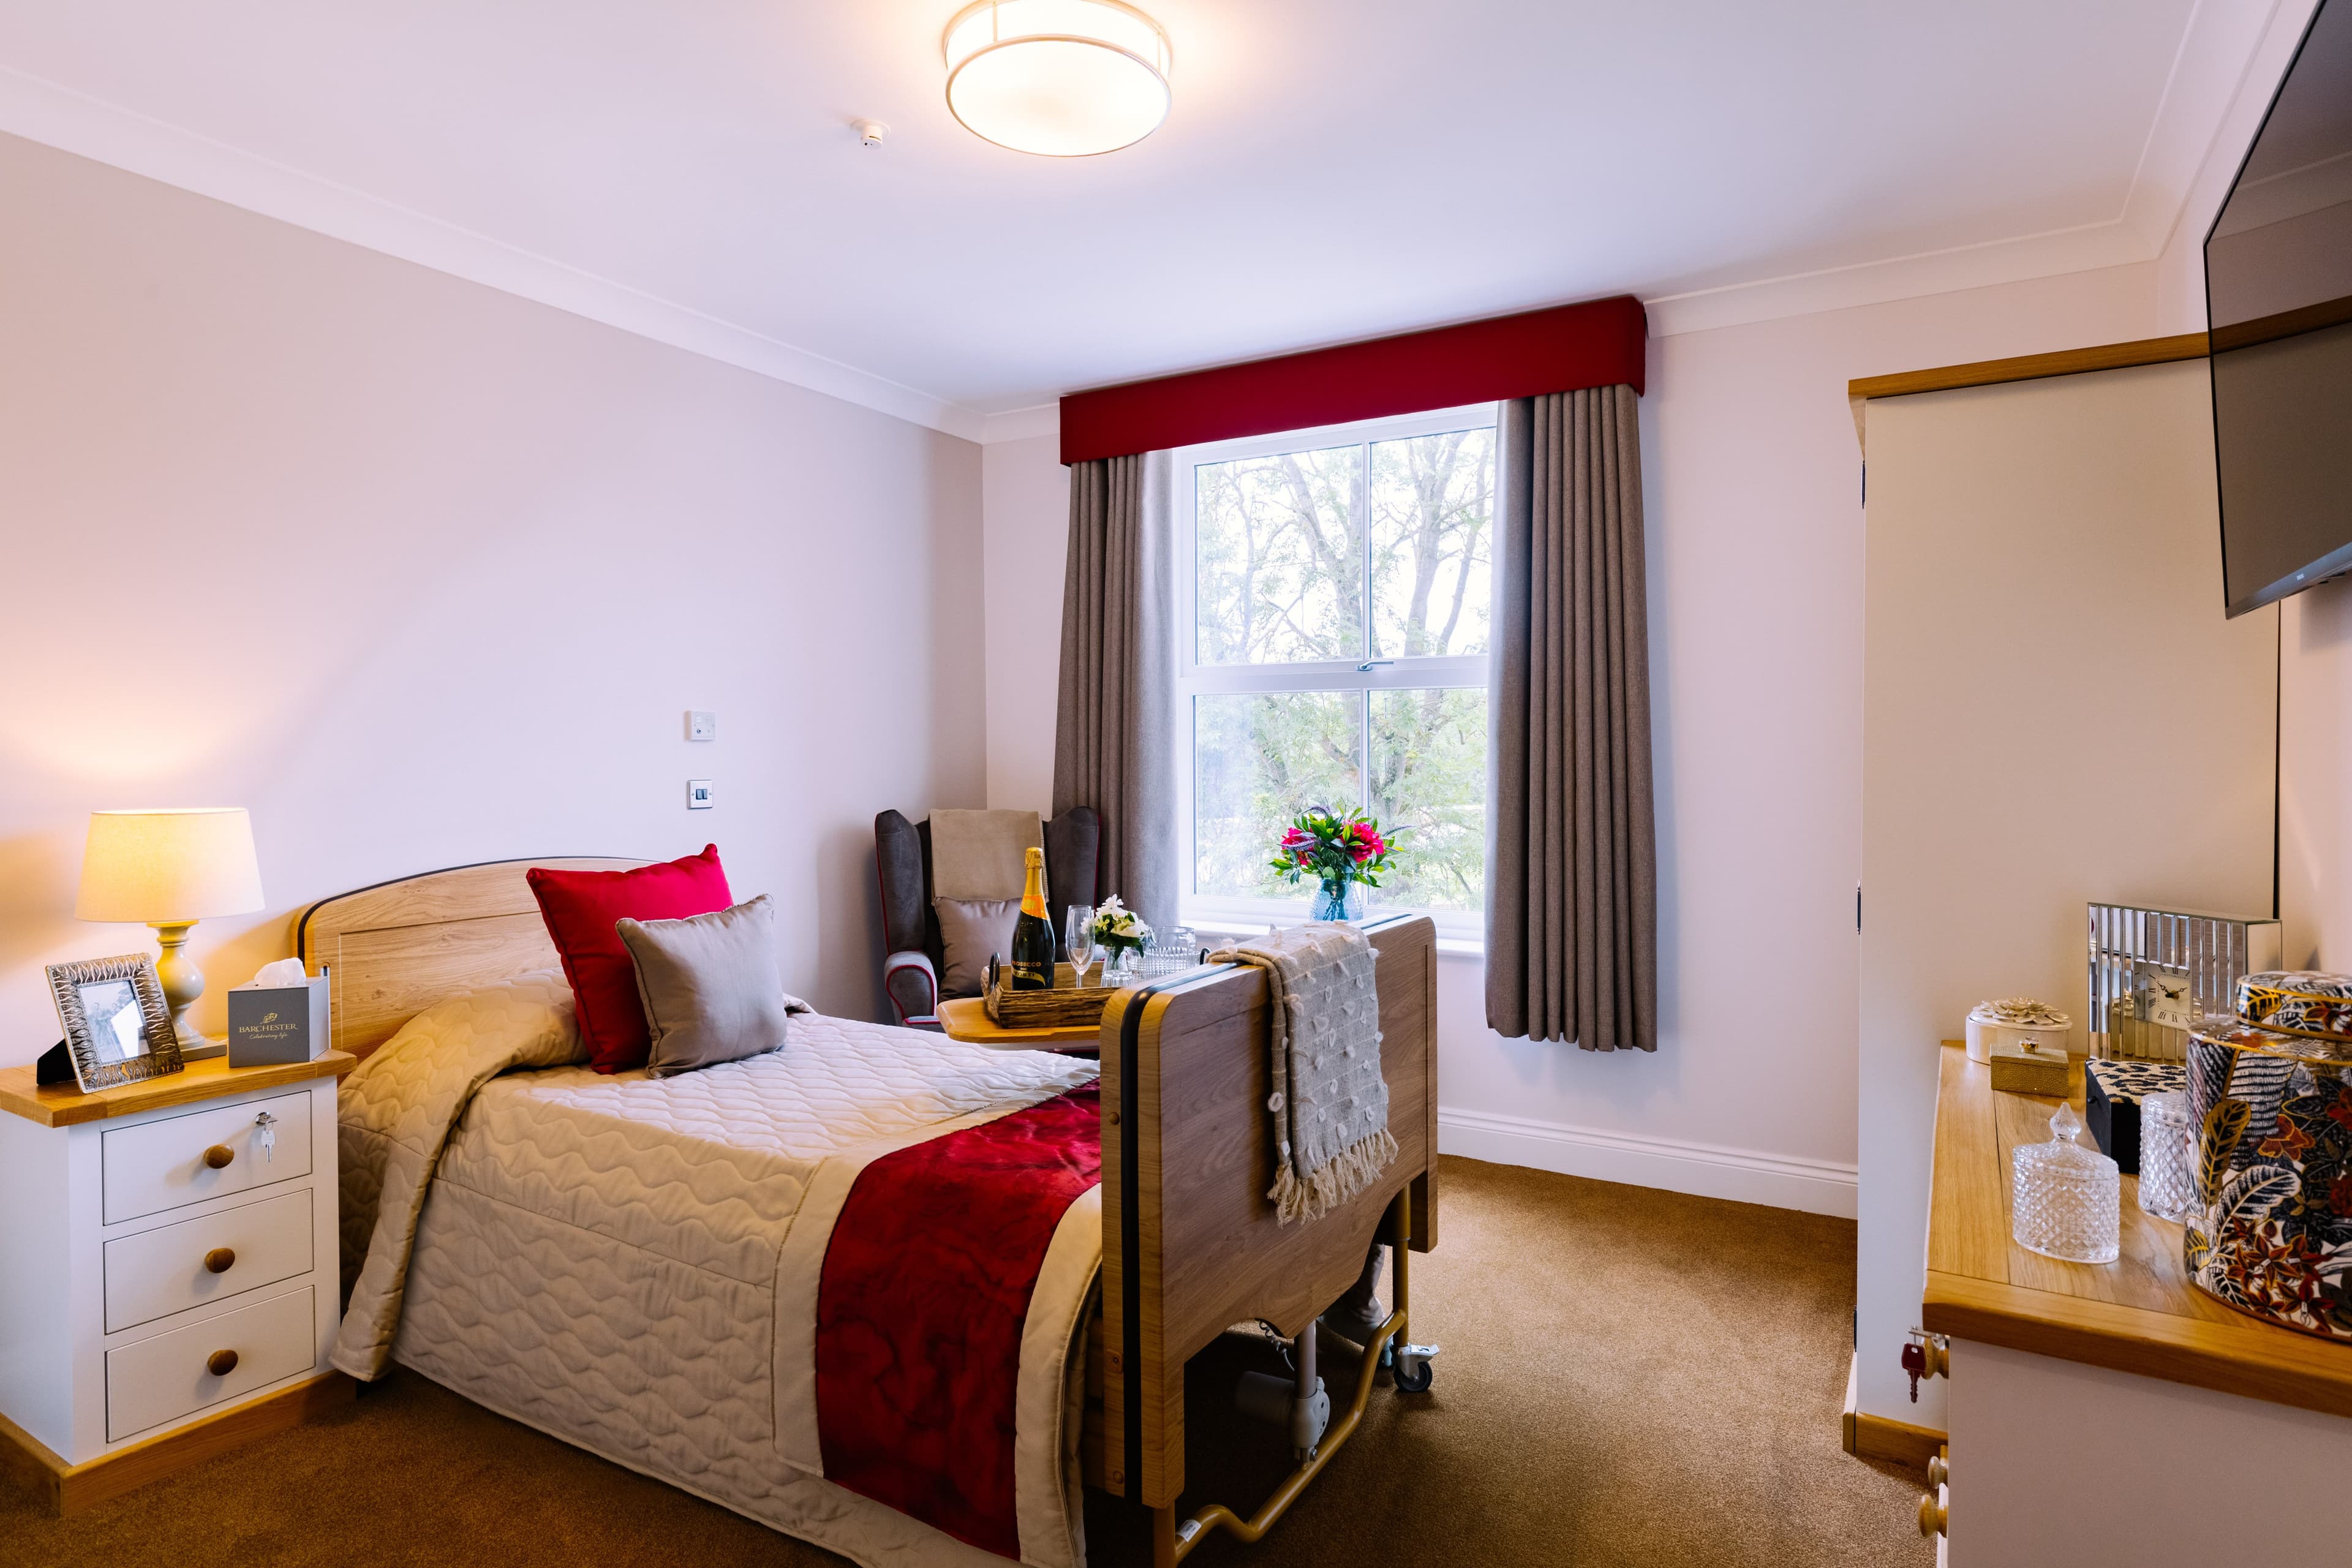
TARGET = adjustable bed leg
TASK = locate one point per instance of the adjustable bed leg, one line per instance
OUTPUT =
(1409, 1363)
(1173, 1540)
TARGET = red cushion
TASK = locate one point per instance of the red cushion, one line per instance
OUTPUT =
(580, 909)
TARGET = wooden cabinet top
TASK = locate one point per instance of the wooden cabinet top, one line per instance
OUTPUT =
(63, 1105)
(2138, 1314)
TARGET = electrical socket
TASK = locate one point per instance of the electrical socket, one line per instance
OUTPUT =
(701, 726)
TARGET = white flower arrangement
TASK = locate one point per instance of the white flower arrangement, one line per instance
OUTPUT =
(1118, 928)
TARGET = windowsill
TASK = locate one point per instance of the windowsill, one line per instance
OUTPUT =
(1447, 946)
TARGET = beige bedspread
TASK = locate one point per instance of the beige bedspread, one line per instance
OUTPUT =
(632, 1263)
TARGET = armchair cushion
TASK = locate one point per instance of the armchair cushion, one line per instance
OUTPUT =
(970, 930)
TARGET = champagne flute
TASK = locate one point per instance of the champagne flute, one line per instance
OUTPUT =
(1078, 933)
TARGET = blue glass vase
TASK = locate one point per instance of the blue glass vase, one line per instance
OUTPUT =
(1339, 897)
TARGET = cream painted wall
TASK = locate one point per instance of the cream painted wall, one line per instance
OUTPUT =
(1753, 477)
(1025, 500)
(425, 573)
(2315, 777)
(2055, 711)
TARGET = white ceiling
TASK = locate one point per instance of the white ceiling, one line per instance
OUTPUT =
(1332, 168)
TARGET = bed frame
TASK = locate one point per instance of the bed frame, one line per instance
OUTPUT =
(1191, 1244)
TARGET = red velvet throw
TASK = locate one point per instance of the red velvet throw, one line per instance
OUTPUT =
(926, 1286)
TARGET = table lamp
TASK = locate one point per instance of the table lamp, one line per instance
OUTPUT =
(170, 869)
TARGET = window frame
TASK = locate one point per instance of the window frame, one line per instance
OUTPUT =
(1195, 679)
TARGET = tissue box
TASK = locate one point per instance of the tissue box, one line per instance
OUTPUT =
(269, 1025)
(2112, 1091)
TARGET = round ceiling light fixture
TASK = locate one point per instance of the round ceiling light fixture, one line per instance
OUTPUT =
(1063, 79)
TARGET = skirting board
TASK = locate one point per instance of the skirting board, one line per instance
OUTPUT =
(1876, 1438)
(68, 1488)
(1702, 1169)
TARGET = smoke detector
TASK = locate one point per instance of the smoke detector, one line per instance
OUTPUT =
(869, 132)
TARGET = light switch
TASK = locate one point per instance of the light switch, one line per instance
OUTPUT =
(698, 794)
(701, 726)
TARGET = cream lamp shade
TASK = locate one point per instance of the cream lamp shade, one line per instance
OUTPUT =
(164, 868)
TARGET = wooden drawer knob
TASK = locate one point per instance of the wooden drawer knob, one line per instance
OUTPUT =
(1940, 1471)
(218, 1155)
(219, 1259)
(220, 1363)
(1931, 1515)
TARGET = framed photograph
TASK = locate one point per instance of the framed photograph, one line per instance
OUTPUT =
(117, 1027)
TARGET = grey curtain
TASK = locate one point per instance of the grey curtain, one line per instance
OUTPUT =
(1113, 721)
(1572, 862)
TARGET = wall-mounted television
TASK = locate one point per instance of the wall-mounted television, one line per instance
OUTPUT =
(2278, 301)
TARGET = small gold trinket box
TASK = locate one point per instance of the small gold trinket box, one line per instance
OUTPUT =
(2028, 1070)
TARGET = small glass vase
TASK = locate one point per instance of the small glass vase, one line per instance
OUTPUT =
(1339, 897)
(2167, 1158)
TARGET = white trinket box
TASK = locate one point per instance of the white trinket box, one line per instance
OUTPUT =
(1996, 1026)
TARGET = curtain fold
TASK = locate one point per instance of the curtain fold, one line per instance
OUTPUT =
(1113, 722)
(1572, 862)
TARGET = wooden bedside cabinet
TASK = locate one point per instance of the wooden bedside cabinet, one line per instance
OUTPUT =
(168, 1269)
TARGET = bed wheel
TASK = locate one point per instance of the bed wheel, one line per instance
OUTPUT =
(1411, 1366)
(1415, 1381)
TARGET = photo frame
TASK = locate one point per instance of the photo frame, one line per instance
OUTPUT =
(118, 1025)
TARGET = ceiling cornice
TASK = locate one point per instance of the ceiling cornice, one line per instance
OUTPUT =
(71, 121)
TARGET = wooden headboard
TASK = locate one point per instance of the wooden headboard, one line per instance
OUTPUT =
(395, 949)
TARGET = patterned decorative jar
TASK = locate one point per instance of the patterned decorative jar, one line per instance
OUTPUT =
(2065, 1201)
(2271, 1114)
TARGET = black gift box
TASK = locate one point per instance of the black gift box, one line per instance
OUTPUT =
(2112, 1091)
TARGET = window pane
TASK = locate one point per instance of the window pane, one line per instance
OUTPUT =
(1259, 760)
(1429, 774)
(1433, 498)
(1279, 561)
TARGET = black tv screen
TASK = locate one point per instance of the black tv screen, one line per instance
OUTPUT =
(2278, 299)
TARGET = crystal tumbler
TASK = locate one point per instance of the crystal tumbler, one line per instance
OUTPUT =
(2167, 1163)
(2066, 1201)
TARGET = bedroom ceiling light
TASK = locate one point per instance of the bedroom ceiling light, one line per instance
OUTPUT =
(1064, 78)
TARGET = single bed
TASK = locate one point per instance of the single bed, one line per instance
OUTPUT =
(636, 1265)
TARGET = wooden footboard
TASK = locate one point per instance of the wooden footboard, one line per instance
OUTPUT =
(1191, 1243)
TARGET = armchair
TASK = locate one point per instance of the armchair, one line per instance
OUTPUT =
(910, 930)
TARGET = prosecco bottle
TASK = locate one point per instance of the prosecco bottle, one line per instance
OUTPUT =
(1032, 933)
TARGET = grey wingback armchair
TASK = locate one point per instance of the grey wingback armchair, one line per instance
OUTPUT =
(910, 932)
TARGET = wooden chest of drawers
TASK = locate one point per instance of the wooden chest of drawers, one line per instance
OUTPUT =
(167, 1270)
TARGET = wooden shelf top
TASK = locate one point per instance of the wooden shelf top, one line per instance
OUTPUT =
(2139, 1314)
(63, 1105)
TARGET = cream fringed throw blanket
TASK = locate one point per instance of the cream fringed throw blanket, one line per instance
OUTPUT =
(1330, 1104)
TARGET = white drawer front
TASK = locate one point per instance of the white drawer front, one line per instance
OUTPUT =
(160, 1164)
(167, 1377)
(167, 1270)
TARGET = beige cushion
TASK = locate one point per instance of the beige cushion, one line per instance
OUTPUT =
(711, 989)
(970, 930)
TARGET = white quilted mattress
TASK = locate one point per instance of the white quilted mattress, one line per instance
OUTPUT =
(630, 1263)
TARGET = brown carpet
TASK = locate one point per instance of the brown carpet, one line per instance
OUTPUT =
(1629, 1378)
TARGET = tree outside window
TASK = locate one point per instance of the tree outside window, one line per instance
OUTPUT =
(1338, 596)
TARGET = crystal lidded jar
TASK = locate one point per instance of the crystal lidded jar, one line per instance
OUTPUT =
(2066, 1201)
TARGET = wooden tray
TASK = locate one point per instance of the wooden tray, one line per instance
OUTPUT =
(1067, 1003)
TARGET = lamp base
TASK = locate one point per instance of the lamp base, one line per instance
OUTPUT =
(182, 982)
